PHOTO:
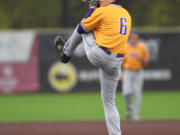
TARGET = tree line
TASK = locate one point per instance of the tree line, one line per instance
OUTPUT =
(17, 14)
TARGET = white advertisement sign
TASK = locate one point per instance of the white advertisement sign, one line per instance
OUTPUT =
(15, 46)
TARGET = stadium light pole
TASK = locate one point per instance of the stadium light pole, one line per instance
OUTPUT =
(66, 14)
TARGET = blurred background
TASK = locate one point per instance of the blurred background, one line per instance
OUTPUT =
(23, 14)
(35, 86)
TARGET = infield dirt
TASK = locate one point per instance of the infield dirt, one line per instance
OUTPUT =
(91, 128)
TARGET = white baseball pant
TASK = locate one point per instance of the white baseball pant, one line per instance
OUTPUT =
(132, 83)
(109, 70)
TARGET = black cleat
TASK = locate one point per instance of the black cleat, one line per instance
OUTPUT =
(59, 45)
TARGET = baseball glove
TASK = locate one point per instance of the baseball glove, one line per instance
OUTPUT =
(94, 3)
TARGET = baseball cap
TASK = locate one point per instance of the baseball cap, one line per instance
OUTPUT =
(135, 32)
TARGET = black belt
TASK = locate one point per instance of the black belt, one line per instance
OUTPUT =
(109, 53)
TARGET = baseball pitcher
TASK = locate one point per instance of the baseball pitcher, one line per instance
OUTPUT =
(104, 30)
(135, 60)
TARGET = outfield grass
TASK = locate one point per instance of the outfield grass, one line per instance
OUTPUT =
(78, 106)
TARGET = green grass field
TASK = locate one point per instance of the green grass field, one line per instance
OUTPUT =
(82, 106)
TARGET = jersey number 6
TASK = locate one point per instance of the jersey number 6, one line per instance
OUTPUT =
(123, 28)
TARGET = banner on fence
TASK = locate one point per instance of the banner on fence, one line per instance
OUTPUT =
(18, 62)
(162, 72)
